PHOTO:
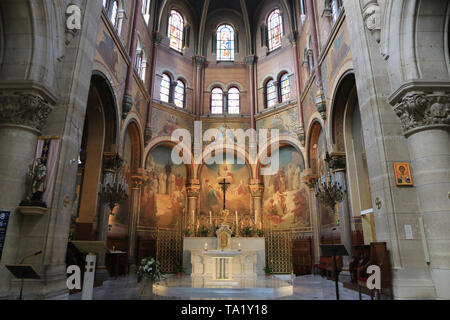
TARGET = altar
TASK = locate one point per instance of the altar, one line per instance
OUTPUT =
(224, 259)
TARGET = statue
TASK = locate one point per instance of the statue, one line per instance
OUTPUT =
(37, 174)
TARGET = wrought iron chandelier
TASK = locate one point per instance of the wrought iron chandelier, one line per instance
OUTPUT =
(329, 190)
(114, 189)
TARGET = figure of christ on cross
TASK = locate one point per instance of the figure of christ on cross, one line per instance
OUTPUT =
(224, 186)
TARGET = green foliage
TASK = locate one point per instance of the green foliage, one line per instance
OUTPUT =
(268, 270)
(149, 269)
(247, 231)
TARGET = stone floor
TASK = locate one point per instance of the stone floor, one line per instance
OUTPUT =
(310, 287)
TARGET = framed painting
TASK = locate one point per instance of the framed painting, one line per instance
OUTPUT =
(403, 177)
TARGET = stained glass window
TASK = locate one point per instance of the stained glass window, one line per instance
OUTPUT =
(275, 27)
(271, 92)
(225, 43)
(285, 88)
(176, 25)
(139, 61)
(335, 9)
(146, 10)
(179, 94)
(233, 101)
(165, 88)
(217, 101)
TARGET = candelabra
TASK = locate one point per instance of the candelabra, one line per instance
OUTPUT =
(113, 190)
(328, 189)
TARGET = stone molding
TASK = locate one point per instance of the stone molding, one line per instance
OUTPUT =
(24, 109)
(257, 190)
(419, 110)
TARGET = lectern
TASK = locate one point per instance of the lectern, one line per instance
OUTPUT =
(22, 272)
(91, 249)
(334, 250)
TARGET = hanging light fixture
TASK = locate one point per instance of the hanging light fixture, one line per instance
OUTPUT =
(329, 189)
(114, 189)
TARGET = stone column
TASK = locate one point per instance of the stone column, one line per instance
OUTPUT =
(193, 192)
(250, 61)
(299, 130)
(135, 197)
(257, 191)
(199, 63)
(425, 119)
(22, 116)
(310, 180)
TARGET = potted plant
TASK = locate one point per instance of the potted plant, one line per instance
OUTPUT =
(203, 232)
(260, 233)
(268, 271)
(179, 269)
(148, 273)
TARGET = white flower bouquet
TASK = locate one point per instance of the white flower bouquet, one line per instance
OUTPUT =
(149, 269)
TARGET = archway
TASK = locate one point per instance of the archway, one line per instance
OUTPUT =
(99, 138)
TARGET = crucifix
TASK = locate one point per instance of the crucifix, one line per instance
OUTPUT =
(224, 186)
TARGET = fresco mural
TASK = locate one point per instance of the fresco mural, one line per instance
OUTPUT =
(286, 122)
(165, 123)
(286, 198)
(164, 191)
(223, 127)
(238, 196)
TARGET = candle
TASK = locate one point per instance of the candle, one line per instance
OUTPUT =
(206, 246)
(237, 219)
(193, 217)
(239, 246)
(210, 218)
(256, 213)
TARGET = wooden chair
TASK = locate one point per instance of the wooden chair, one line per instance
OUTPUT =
(379, 256)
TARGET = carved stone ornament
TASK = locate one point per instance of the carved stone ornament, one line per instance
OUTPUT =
(372, 19)
(24, 109)
(418, 109)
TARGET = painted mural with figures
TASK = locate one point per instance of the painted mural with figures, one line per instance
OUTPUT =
(164, 190)
(286, 197)
(238, 196)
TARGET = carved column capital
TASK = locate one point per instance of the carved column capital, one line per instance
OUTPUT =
(337, 160)
(193, 190)
(257, 190)
(112, 162)
(309, 178)
(24, 109)
(137, 181)
(418, 110)
(200, 61)
(250, 60)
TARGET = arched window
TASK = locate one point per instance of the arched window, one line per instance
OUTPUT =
(217, 101)
(285, 88)
(146, 10)
(333, 9)
(309, 57)
(275, 28)
(234, 101)
(165, 88)
(176, 26)
(225, 43)
(114, 12)
(179, 94)
(271, 94)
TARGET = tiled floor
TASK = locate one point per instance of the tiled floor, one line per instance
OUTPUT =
(310, 287)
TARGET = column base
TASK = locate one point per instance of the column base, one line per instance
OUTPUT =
(413, 284)
(441, 279)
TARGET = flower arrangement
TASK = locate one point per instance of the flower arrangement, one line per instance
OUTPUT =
(247, 231)
(149, 269)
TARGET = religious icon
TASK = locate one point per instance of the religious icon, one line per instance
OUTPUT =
(403, 175)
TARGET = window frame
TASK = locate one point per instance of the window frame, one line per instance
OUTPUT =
(282, 93)
(238, 106)
(271, 30)
(212, 100)
(271, 84)
(183, 94)
(179, 46)
(219, 42)
(162, 86)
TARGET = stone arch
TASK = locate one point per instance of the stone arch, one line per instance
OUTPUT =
(316, 128)
(344, 88)
(134, 130)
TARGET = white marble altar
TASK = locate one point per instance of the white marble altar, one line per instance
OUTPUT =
(242, 258)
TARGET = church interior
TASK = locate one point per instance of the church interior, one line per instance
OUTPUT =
(136, 136)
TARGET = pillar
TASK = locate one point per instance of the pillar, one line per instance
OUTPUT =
(300, 130)
(310, 180)
(22, 116)
(257, 191)
(425, 120)
(193, 192)
(199, 64)
(135, 196)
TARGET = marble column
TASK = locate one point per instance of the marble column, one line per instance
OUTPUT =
(299, 130)
(250, 61)
(425, 119)
(310, 180)
(135, 196)
(257, 191)
(199, 63)
(193, 192)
